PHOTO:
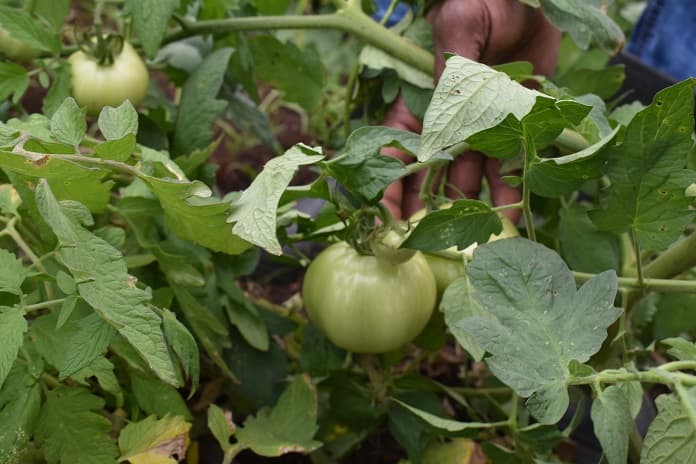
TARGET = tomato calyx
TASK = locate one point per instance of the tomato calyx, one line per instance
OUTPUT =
(103, 48)
(386, 241)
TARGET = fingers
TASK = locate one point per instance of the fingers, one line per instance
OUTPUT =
(502, 193)
(460, 27)
(464, 175)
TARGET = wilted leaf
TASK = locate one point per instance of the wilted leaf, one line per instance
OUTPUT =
(153, 441)
(255, 211)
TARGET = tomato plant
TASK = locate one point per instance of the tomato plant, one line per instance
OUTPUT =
(152, 259)
(366, 304)
(98, 82)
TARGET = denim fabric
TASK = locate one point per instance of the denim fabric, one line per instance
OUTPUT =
(397, 15)
(665, 37)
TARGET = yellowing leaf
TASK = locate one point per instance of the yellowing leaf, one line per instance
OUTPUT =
(153, 441)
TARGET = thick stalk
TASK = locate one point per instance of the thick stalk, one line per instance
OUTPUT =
(679, 258)
(347, 18)
(656, 285)
(529, 153)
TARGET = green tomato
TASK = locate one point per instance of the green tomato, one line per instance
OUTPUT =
(447, 270)
(367, 305)
(14, 49)
(95, 86)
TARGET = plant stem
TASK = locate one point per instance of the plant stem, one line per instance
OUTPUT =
(639, 263)
(656, 375)
(468, 391)
(657, 285)
(529, 152)
(370, 364)
(677, 259)
(43, 305)
(348, 18)
(519, 204)
(231, 453)
(389, 12)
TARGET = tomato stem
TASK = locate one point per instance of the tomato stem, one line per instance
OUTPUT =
(371, 365)
(529, 154)
(348, 18)
(648, 284)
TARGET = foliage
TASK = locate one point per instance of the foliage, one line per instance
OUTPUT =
(138, 297)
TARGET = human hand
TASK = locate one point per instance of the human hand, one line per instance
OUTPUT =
(492, 32)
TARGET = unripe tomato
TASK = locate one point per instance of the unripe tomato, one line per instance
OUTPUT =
(368, 305)
(95, 86)
(447, 270)
(14, 49)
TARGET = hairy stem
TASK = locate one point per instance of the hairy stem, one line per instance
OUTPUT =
(43, 305)
(348, 18)
(529, 152)
(657, 285)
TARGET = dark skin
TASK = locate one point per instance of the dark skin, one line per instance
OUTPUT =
(491, 32)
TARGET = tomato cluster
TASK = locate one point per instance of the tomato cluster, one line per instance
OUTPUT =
(375, 304)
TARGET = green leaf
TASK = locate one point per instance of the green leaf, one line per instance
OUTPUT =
(212, 334)
(14, 80)
(118, 149)
(69, 429)
(375, 58)
(199, 106)
(20, 401)
(271, 7)
(671, 437)
(362, 170)
(150, 21)
(585, 248)
(613, 424)
(554, 177)
(647, 172)
(464, 223)
(604, 82)
(681, 349)
(192, 215)
(220, 423)
(458, 303)
(106, 286)
(243, 314)
(12, 273)
(288, 427)
(154, 441)
(27, 30)
(116, 123)
(59, 89)
(585, 22)
(68, 123)
(156, 397)
(89, 342)
(55, 11)
(298, 73)
(184, 345)
(538, 128)
(469, 98)
(255, 211)
(445, 425)
(541, 322)
(318, 356)
(12, 328)
(68, 180)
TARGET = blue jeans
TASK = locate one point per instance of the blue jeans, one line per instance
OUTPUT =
(665, 37)
(397, 15)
